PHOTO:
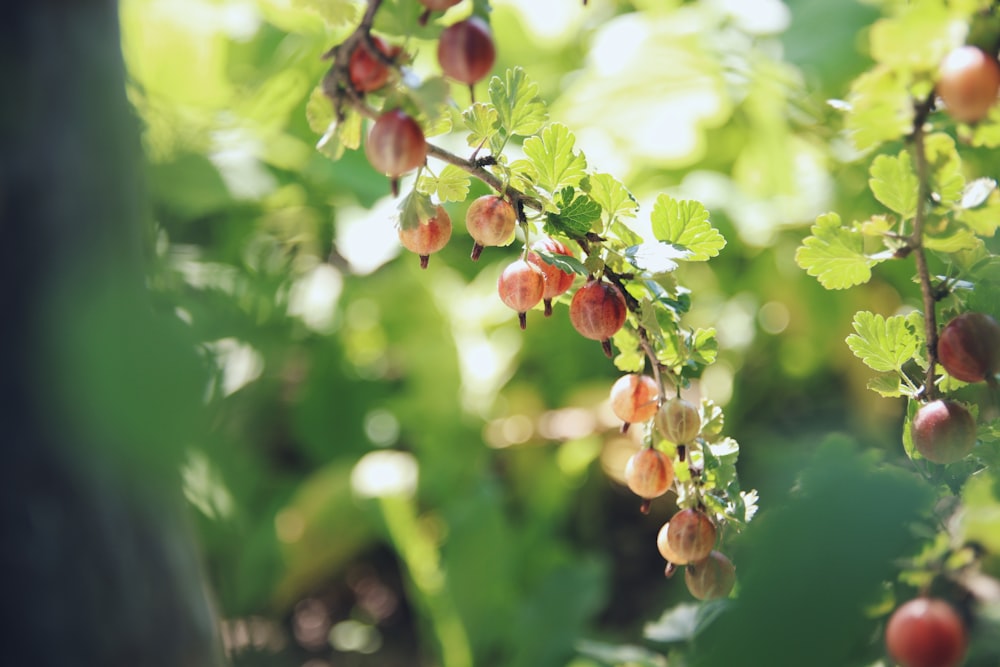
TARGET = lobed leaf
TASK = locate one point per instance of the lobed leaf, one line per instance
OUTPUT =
(612, 196)
(551, 154)
(685, 223)
(894, 183)
(944, 168)
(452, 184)
(835, 255)
(519, 109)
(883, 344)
(483, 121)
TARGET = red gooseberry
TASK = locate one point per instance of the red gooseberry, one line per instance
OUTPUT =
(520, 287)
(491, 221)
(633, 398)
(926, 632)
(368, 72)
(969, 347)
(466, 52)
(598, 311)
(943, 431)
(557, 281)
(691, 536)
(428, 236)
(968, 83)
(711, 578)
(395, 144)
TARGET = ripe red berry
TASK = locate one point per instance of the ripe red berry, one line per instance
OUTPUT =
(490, 220)
(557, 281)
(366, 70)
(633, 398)
(520, 287)
(678, 421)
(926, 632)
(465, 50)
(597, 311)
(396, 144)
(649, 473)
(711, 578)
(427, 237)
(968, 83)
(691, 536)
(969, 347)
(664, 546)
(943, 431)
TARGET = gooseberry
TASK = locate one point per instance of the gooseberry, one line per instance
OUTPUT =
(465, 50)
(598, 311)
(926, 632)
(490, 220)
(678, 420)
(969, 347)
(557, 281)
(711, 578)
(428, 236)
(691, 536)
(633, 398)
(520, 287)
(368, 72)
(649, 473)
(943, 431)
(664, 547)
(968, 83)
(396, 144)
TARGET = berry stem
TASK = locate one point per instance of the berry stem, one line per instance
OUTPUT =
(916, 243)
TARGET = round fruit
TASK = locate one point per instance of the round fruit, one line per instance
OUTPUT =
(691, 536)
(943, 431)
(926, 632)
(969, 347)
(649, 473)
(427, 237)
(490, 220)
(633, 398)
(711, 578)
(597, 311)
(396, 144)
(465, 50)
(557, 281)
(678, 421)
(661, 543)
(367, 71)
(968, 83)
(520, 287)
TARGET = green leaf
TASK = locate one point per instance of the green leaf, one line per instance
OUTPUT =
(341, 136)
(984, 218)
(520, 110)
(957, 241)
(889, 385)
(452, 184)
(834, 255)
(944, 168)
(336, 13)
(986, 134)
(431, 100)
(576, 214)
(624, 233)
(630, 357)
(551, 154)
(883, 344)
(685, 223)
(565, 263)
(482, 121)
(612, 196)
(916, 39)
(319, 111)
(414, 208)
(894, 184)
(703, 346)
(881, 109)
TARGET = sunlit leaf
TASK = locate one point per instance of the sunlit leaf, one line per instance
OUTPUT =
(894, 184)
(519, 109)
(482, 121)
(655, 257)
(452, 184)
(835, 255)
(556, 163)
(336, 13)
(685, 223)
(881, 108)
(944, 168)
(414, 208)
(883, 344)
(612, 196)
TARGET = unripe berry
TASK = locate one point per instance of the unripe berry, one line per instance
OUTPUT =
(649, 473)
(678, 421)
(943, 431)
(598, 311)
(711, 578)
(491, 221)
(465, 50)
(520, 287)
(926, 632)
(396, 144)
(366, 70)
(663, 545)
(633, 398)
(427, 237)
(691, 536)
(969, 347)
(557, 281)
(968, 83)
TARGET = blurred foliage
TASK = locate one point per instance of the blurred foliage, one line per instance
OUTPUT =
(497, 532)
